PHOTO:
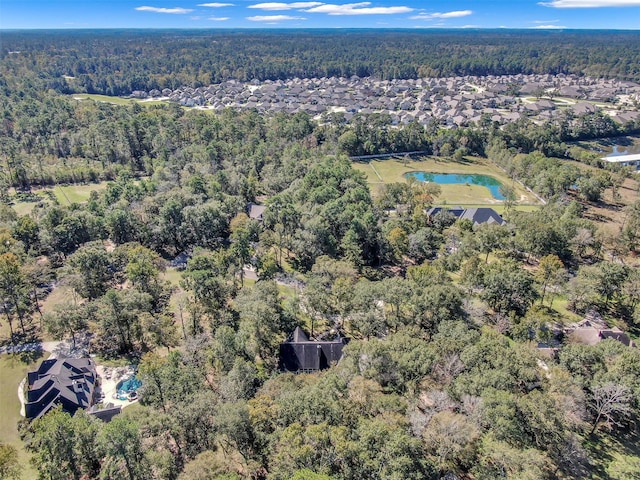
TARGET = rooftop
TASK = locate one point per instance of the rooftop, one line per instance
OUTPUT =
(69, 382)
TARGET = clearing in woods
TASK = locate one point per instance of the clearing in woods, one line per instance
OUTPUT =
(380, 172)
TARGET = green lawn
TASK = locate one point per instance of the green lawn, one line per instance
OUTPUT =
(102, 98)
(115, 100)
(173, 276)
(12, 370)
(560, 305)
(23, 208)
(68, 194)
(64, 194)
(379, 172)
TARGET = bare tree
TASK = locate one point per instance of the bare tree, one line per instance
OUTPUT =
(611, 402)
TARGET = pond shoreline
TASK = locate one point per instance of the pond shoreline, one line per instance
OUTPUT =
(490, 183)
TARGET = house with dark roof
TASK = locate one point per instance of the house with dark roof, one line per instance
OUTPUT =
(256, 211)
(482, 215)
(299, 354)
(69, 382)
(477, 216)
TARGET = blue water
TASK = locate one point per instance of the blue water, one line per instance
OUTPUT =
(130, 385)
(455, 179)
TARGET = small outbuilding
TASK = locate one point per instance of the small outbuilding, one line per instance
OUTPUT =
(256, 211)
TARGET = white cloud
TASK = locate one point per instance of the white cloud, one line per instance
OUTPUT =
(548, 27)
(215, 5)
(218, 19)
(454, 14)
(273, 18)
(361, 8)
(590, 3)
(176, 10)
(284, 6)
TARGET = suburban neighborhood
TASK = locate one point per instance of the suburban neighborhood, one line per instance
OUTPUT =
(451, 101)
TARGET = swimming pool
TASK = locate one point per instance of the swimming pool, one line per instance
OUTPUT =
(127, 389)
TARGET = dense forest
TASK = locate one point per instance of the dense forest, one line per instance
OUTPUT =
(119, 62)
(442, 377)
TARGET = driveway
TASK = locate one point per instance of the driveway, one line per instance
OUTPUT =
(51, 347)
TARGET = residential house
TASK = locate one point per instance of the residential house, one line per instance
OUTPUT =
(69, 382)
(592, 330)
(476, 215)
(299, 354)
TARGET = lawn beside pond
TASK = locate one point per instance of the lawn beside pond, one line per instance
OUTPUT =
(379, 172)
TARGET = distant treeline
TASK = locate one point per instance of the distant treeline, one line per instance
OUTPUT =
(117, 62)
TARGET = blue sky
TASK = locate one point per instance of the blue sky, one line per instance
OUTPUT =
(558, 14)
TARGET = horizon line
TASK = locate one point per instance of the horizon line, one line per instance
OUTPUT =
(417, 28)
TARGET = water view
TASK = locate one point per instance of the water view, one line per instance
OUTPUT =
(619, 150)
(460, 179)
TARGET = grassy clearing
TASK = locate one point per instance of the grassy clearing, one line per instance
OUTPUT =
(13, 369)
(379, 172)
(115, 100)
(64, 194)
(609, 214)
(103, 98)
(172, 276)
(68, 194)
(560, 305)
(23, 208)
(60, 294)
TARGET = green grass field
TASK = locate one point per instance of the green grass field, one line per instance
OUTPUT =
(68, 194)
(380, 172)
(24, 208)
(64, 194)
(115, 100)
(12, 371)
(173, 276)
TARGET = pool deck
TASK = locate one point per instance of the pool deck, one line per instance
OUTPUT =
(109, 378)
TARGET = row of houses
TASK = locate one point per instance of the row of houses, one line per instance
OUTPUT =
(452, 101)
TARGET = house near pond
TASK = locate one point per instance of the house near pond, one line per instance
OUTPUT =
(477, 216)
(299, 354)
(69, 382)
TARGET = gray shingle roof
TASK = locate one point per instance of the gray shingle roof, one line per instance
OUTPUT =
(69, 382)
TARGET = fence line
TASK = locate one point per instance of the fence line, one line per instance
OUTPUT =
(387, 155)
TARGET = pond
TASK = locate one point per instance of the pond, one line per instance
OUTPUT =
(624, 150)
(461, 179)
